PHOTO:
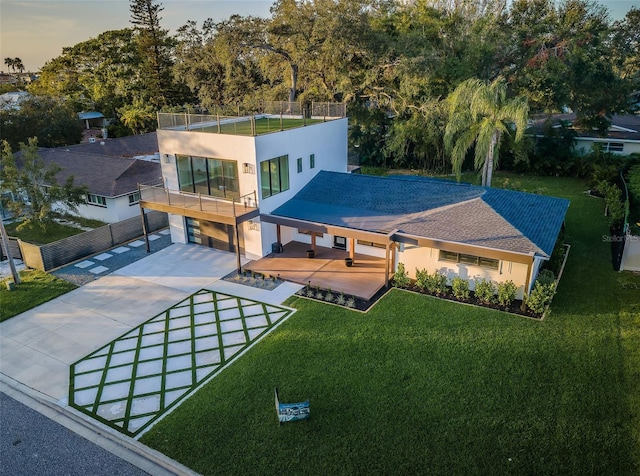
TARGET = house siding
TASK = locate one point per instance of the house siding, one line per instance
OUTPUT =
(420, 257)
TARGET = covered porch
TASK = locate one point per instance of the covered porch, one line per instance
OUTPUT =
(326, 270)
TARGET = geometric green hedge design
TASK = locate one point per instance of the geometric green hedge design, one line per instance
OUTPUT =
(132, 381)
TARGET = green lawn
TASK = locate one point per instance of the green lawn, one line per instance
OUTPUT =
(36, 288)
(263, 126)
(37, 236)
(423, 386)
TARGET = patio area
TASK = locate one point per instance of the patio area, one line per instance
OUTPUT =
(327, 270)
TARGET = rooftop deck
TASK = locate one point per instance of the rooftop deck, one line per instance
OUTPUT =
(273, 117)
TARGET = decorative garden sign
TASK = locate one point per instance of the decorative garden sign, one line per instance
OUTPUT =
(291, 411)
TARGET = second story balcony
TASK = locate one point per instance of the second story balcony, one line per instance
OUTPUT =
(202, 207)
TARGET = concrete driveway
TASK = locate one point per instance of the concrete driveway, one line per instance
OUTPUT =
(38, 346)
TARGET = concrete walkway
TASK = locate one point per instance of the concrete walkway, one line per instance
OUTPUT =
(38, 346)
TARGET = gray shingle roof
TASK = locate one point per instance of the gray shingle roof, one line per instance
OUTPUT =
(436, 209)
(130, 146)
(631, 122)
(103, 175)
(107, 170)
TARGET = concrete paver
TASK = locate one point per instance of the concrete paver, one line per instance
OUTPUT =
(37, 347)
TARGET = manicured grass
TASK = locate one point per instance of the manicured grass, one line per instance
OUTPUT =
(418, 385)
(263, 126)
(38, 236)
(36, 288)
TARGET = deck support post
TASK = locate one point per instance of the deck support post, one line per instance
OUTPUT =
(145, 229)
(313, 241)
(278, 234)
(386, 263)
(238, 263)
(352, 248)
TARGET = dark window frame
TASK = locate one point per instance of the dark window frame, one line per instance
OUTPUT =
(280, 170)
(96, 200)
(472, 260)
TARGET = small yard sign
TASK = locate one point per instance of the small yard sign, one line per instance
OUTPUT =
(291, 411)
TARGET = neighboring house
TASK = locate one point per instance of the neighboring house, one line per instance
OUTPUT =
(253, 193)
(111, 169)
(11, 100)
(92, 119)
(623, 137)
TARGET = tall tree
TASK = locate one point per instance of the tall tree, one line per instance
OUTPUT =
(479, 113)
(102, 73)
(139, 116)
(37, 181)
(51, 120)
(626, 47)
(155, 48)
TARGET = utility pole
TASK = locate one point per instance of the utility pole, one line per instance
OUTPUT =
(5, 242)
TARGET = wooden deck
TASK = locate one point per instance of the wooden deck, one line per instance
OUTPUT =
(326, 270)
(197, 206)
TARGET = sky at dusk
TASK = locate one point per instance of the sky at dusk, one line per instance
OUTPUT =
(36, 30)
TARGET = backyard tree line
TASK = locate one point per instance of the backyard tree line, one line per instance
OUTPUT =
(394, 63)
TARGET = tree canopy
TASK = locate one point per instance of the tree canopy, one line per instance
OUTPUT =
(36, 183)
(391, 60)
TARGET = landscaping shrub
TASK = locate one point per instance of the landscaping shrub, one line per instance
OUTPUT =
(422, 279)
(401, 277)
(545, 277)
(613, 200)
(437, 283)
(557, 256)
(540, 296)
(460, 288)
(507, 293)
(485, 291)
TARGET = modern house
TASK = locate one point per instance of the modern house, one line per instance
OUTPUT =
(221, 173)
(623, 136)
(244, 186)
(111, 169)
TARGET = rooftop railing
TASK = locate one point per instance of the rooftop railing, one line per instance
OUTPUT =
(268, 117)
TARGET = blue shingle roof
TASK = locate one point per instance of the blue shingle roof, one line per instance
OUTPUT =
(431, 208)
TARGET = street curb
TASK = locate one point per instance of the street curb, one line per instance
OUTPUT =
(151, 461)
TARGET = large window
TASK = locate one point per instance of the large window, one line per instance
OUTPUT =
(96, 200)
(469, 259)
(134, 198)
(613, 146)
(274, 176)
(215, 177)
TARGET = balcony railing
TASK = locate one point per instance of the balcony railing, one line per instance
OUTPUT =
(237, 210)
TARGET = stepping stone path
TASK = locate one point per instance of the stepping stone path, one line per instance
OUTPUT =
(129, 383)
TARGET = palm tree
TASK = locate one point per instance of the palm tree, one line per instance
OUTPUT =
(11, 63)
(480, 113)
(18, 65)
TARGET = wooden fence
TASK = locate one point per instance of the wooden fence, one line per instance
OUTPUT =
(67, 250)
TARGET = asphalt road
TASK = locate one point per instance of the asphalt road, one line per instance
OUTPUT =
(32, 444)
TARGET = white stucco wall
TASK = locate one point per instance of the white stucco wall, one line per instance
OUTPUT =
(585, 145)
(427, 258)
(631, 254)
(117, 209)
(327, 141)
